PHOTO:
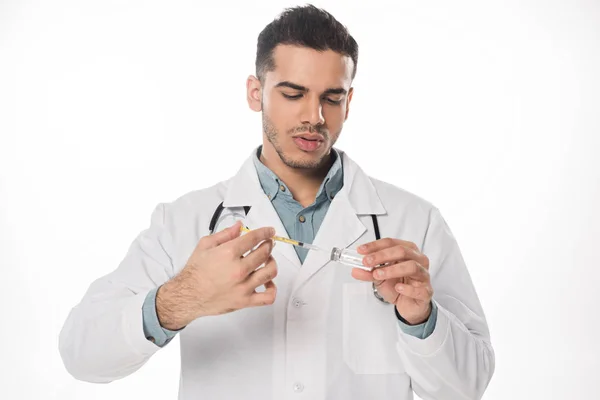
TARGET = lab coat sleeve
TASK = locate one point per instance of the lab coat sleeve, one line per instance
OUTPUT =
(103, 338)
(457, 360)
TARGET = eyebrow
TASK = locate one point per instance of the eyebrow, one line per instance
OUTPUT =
(305, 89)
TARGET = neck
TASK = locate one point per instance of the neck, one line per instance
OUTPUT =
(302, 183)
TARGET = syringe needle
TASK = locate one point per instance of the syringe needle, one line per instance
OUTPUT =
(310, 246)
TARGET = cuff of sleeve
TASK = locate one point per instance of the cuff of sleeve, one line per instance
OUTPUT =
(431, 343)
(132, 322)
(421, 331)
(153, 331)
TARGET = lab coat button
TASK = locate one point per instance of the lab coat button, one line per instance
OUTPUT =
(297, 303)
(298, 387)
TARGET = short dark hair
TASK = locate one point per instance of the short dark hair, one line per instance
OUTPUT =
(306, 26)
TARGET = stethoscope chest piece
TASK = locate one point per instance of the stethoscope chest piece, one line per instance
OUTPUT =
(377, 295)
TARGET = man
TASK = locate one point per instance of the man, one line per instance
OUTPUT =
(258, 322)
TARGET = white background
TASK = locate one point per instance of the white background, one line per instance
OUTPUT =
(490, 111)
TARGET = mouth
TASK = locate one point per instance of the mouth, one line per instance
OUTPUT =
(309, 143)
(310, 137)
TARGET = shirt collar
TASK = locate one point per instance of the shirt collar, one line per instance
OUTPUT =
(273, 186)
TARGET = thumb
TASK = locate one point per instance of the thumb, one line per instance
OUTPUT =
(218, 238)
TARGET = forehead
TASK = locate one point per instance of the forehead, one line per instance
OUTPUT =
(316, 70)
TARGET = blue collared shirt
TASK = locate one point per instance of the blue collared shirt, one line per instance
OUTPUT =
(301, 223)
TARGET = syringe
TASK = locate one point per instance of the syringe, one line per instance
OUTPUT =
(291, 241)
(344, 256)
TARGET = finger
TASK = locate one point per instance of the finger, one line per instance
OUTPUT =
(395, 254)
(258, 256)
(418, 293)
(264, 298)
(247, 242)
(411, 269)
(218, 238)
(380, 244)
(362, 275)
(419, 284)
(262, 275)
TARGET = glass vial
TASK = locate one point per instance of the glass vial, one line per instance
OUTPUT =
(348, 257)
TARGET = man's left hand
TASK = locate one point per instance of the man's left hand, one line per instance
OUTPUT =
(404, 279)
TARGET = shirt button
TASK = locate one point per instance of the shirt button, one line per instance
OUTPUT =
(297, 303)
(331, 196)
(301, 218)
(150, 338)
(282, 188)
(298, 387)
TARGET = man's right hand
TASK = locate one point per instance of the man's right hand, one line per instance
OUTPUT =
(218, 279)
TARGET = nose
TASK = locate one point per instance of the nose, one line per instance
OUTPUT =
(313, 113)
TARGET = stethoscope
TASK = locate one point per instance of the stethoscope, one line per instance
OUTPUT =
(220, 208)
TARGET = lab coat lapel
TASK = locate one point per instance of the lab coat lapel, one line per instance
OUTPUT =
(342, 226)
(244, 189)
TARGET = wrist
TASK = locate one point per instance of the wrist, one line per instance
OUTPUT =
(170, 310)
(416, 318)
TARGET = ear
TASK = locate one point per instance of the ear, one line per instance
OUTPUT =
(350, 93)
(253, 93)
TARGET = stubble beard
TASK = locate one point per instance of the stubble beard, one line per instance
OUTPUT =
(273, 135)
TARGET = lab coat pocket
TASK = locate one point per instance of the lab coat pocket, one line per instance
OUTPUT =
(369, 332)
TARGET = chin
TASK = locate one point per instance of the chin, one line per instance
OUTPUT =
(302, 159)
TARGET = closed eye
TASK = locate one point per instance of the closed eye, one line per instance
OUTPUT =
(287, 96)
(296, 97)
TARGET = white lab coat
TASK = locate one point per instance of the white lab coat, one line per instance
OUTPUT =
(325, 337)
